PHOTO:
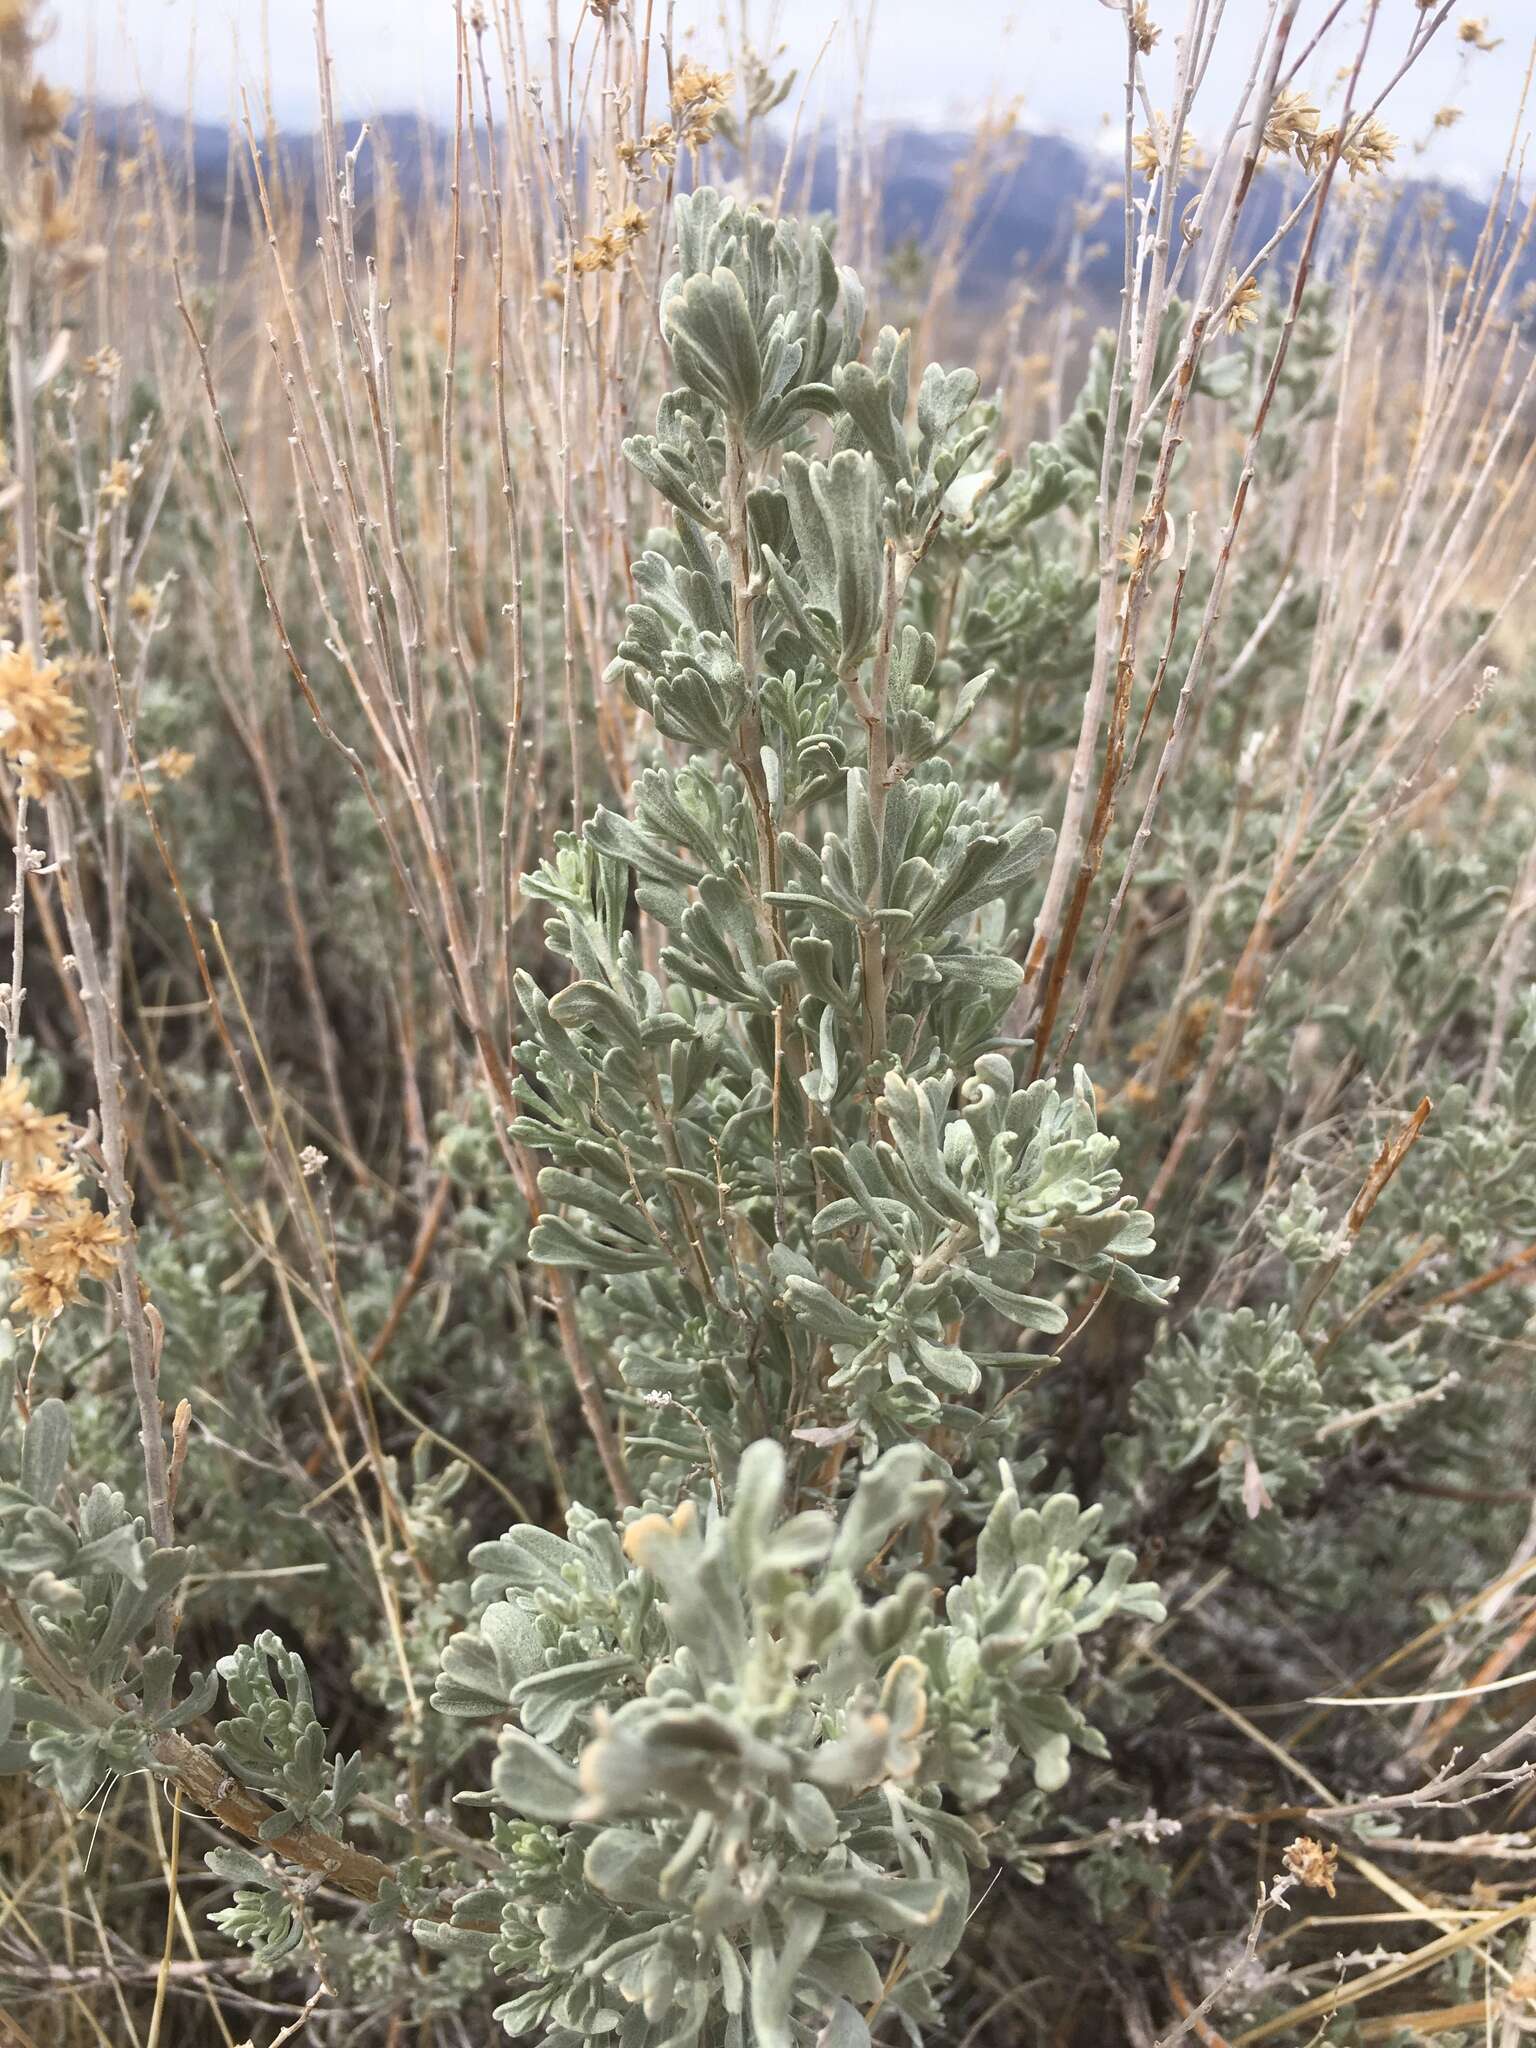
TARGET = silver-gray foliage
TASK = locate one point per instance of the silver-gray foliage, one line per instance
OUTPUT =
(748, 1756)
(787, 1141)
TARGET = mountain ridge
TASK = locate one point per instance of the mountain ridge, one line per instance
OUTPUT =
(1022, 219)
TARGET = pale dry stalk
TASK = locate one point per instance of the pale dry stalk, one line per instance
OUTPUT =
(144, 1337)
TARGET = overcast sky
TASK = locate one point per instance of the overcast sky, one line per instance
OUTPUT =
(933, 61)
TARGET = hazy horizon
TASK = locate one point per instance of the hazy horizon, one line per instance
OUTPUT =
(397, 56)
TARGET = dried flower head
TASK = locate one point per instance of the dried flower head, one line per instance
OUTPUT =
(1474, 32)
(38, 1298)
(16, 1214)
(1152, 148)
(50, 1185)
(49, 224)
(641, 155)
(103, 364)
(56, 1238)
(1143, 32)
(1290, 127)
(40, 117)
(698, 98)
(1368, 146)
(1243, 299)
(1312, 1865)
(116, 482)
(78, 1245)
(41, 722)
(607, 248)
(1136, 1095)
(28, 1138)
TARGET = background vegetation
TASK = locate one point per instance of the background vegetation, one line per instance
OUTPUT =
(769, 1114)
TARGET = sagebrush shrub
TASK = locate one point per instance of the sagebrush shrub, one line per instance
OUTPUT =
(968, 1598)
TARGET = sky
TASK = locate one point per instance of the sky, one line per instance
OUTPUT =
(931, 62)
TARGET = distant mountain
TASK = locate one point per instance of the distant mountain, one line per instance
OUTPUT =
(1021, 221)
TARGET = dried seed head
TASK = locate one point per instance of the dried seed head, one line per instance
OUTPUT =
(1312, 1865)
(698, 98)
(1291, 124)
(1152, 149)
(1143, 32)
(40, 723)
(1366, 147)
(1243, 300)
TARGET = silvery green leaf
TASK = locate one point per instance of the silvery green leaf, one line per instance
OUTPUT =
(526, 1560)
(755, 1508)
(619, 1775)
(10, 1671)
(239, 1866)
(914, 1112)
(481, 1667)
(585, 1191)
(553, 1241)
(815, 959)
(116, 1550)
(948, 1365)
(444, 1939)
(591, 1003)
(48, 1712)
(899, 1906)
(810, 1817)
(529, 1779)
(943, 399)
(1052, 1761)
(708, 327)
(820, 1310)
(45, 1451)
(776, 1976)
(820, 1083)
(801, 1542)
(1118, 1592)
(548, 1701)
(989, 972)
(844, 2027)
(834, 509)
(1523, 1087)
(135, 1601)
(890, 1494)
(625, 1865)
(650, 857)
(863, 841)
(871, 403)
(1029, 1311)
(263, 1919)
(71, 1763)
(669, 471)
